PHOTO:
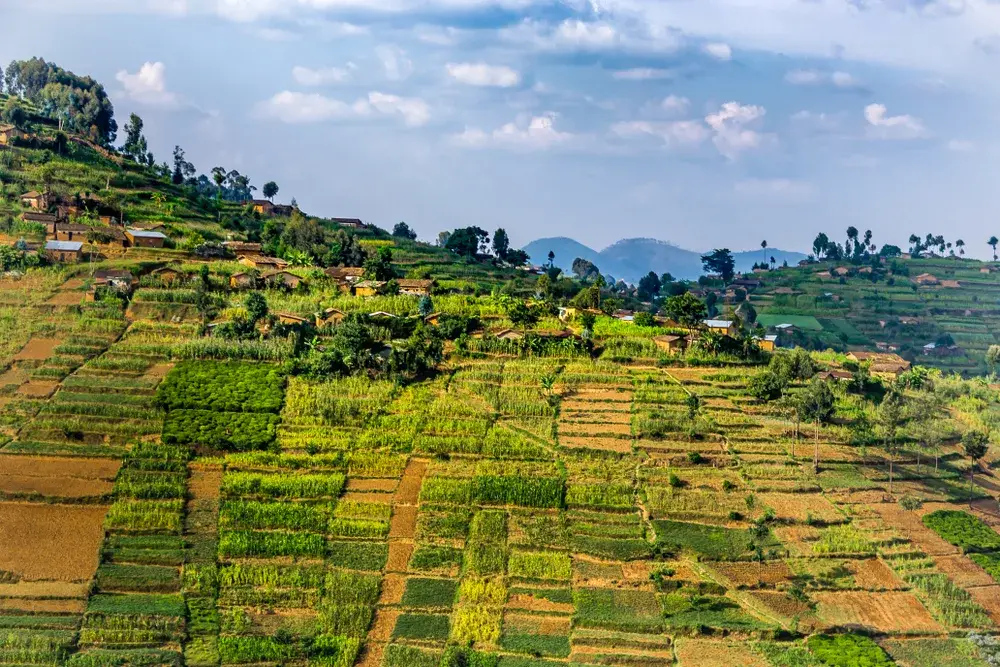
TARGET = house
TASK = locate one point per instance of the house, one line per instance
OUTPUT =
(768, 342)
(44, 219)
(67, 232)
(882, 363)
(346, 274)
(238, 247)
(121, 279)
(724, 327)
(262, 263)
(839, 376)
(415, 287)
(282, 278)
(671, 344)
(151, 226)
(367, 287)
(509, 334)
(65, 211)
(243, 280)
(986, 269)
(935, 350)
(883, 346)
(784, 327)
(106, 236)
(36, 200)
(926, 279)
(329, 317)
(841, 271)
(288, 318)
(353, 223)
(261, 206)
(8, 133)
(950, 283)
(749, 284)
(382, 313)
(823, 274)
(624, 315)
(433, 319)
(143, 238)
(64, 251)
(167, 274)
(567, 313)
(866, 270)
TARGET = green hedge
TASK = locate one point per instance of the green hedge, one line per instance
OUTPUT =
(231, 431)
(222, 386)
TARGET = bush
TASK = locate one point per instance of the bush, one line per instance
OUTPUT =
(848, 651)
(964, 530)
(228, 431)
(222, 387)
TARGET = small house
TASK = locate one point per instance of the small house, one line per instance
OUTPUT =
(144, 238)
(986, 269)
(262, 206)
(838, 376)
(350, 274)
(67, 232)
(415, 287)
(671, 344)
(289, 318)
(238, 247)
(768, 342)
(8, 133)
(909, 321)
(382, 313)
(64, 251)
(885, 364)
(367, 287)
(841, 271)
(282, 279)
(329, 317)
(724, 327)
(36, 200)
(167, 274)
(567, 313)
(926, 279)
(121, 279)
(262, 263)
(509, 334)
(433, 319)
(243, 280)
(954, 284)
(823, 274)
(43, 219)
(865, 270)
(749, 284)
(353, 223)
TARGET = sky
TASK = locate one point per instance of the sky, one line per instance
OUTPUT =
(706, 123)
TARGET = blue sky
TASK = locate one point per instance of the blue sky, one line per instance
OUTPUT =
(703, 122)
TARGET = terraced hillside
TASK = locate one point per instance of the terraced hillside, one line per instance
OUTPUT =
(855, 311)
(188, 499)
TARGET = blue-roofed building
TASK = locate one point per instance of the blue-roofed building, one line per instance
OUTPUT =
(64, 251)
(724, 327)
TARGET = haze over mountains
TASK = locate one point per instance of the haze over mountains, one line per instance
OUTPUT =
(630, 259)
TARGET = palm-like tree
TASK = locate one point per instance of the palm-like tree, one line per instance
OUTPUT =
(960, 244)
(763, 246)
(992, 242)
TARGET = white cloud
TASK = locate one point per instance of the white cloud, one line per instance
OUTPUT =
(292, 107)
(593, 36)
(536, 133)
(777, 189)
(148, 85)
(396, 64)
(481, 74)
(322, 77)
(718, 50)
(643, 74)
(675, 104)
(729, 124)
(674, 134)
(881, 126)
(961, 146)
(843, 80)
(812, 77)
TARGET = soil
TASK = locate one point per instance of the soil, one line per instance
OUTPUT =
(38, 388)
(404, 522)
(65, 298)
(408, 492)
(399, 556)
(873, 574)
(203, 484)
(891, 611)
(598, 416)
(580, 428)
(371, 654)
(43, 606)
(527, 602)
(798, 506)
(910, 524)
(715, 653)
(32, 532)
(621, 445)
(962, 571)
(749, 574)
(393, 586)
(37, 348)
(13, 376)
(988, 598)
(44, 589)
(57, 477)
(387, 485)
(72, 283)
(158, 370)
(382, 626)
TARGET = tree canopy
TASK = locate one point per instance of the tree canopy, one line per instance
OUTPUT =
(720, 261)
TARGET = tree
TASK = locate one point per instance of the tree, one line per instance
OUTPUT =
(587, 270)
(852, 240)
(992, 242)
(14, 113)
(135, 146)
(816, 404)
(649, 286)
(344, 250)
(516, 257)
(183, 170)
(379, 266)
(993, 357)
(976, 443)
(587, 321)
(219, 176)
(887, 419)
(468, 241)
(765, 386)
(425, 306)
(270, 189)
(820, 244)
(720, 261)
(403, 231)
(685, 309)
(522, 315)
(960, 244)
(763, 247)
(501, 244)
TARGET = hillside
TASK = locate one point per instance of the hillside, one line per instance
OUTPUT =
(630, 259)
(856, 310)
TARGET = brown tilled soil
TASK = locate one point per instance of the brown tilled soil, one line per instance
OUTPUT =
(892, 611)
(38, 388)
(382, 626)
(72, 283)
(875, 575)
(526, 602)
(13, 375)
(798, 506)
(399, 556)
(55, 476)
(621, 445)
(32, 533)
(365, 497)
(408, 491)
(988, 598)
(386, 485)
(45, 589)
(595, 416)
(43, 606)
(962, 571)
(404, 522)
(750, 574)
(910, 524)
(204, 483)
(599, 426)
(538, 625)
(158, 370)
(66, 298)
(716, 653)
(371, 654)
(37, 348)
(393, 586)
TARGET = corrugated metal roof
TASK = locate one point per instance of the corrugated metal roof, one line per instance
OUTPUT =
(718, 324)
(64, 245)
(146, 234)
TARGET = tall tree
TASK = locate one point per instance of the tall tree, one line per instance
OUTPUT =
(763, 247)
(976, 443)
(468, 241)
(270, 189)
(820, 244)
(379, 265)
(992, 242)
(960, 244)
(852, 240)
(219, 176)
(501, 244)
(183, 170)
(816, 404)
(720, 261)
(685, 309)
(135, 146)
(888, 418)
(649, 286)
(402, 231)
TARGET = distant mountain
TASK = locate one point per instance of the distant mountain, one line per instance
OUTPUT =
(630, 259)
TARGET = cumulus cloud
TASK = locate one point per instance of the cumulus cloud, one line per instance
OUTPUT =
(148, 85)
(593, 36)
(883, 126)
(536, 133)
(812, 77)
(643, 74)
(395, 62)
(293, 107)
(718, 50)
(483, 75)
(730, 126)
(675, 104)
(306, 76)
(777, 189)
(676, 134)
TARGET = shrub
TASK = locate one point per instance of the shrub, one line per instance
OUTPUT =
(230, 431)
(848, 651)
(222, 387)
(964, 530)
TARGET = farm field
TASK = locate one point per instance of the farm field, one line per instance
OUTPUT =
(211, 505)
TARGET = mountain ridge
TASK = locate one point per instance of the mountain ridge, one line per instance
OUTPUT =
(631, 258)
